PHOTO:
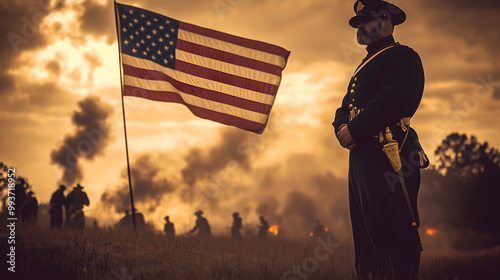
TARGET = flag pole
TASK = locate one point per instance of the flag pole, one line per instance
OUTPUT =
(123, 111)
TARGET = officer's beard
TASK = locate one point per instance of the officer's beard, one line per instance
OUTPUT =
(367, 37)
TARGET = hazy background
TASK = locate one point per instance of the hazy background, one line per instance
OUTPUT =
(60, 98)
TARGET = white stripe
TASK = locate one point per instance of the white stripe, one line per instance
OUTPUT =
(228, 68)
(200, 82)
(195, 100)
(231, 48)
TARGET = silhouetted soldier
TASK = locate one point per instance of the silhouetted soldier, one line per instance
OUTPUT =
(75, 201)
(169, 227)
(263, 228)
(29, 209)
(319, 230)
(201, 225)
(237, 224)
(126, 221)
(56, 204)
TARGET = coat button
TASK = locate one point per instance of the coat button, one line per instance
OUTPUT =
(355, 78)
(352, 91)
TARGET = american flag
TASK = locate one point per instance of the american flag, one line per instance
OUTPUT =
(220, 77)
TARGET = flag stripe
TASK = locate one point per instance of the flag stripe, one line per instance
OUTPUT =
(265, 47)
(229, 57)
(231, 48)
(199, 82)
(200, 92)
(164, 86)
(225, 78)
(218, 76)
(200, 112)
(225, 67)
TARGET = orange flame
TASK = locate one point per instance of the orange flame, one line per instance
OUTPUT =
(273, 230)
(431, 231)
(326, 229)
(311, 234)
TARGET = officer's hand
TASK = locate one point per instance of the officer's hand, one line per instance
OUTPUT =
(345, 138)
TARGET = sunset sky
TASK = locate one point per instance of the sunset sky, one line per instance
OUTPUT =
(56, 55)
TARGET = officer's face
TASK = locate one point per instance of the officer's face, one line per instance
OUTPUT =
(368, 31)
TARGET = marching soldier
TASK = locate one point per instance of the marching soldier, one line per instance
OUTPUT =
(201, 225)
(56, 207)
(263, 228)
(169, 228)
(237, 224)
(75, 201)
(373, 123)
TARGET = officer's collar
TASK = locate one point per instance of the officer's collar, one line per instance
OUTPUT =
(379, 44)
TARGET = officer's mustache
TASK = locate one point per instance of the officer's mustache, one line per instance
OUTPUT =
(370, 34)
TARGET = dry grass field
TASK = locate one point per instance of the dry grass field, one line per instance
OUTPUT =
(103, 254)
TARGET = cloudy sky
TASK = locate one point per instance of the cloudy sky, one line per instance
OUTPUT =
(59, 78)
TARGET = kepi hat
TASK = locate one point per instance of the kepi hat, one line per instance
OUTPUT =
(372, 9)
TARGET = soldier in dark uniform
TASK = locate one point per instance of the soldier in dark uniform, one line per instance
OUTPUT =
(29, 209)
(201, 225)
(237, 224)
(263, 228)
(56, 207)
(169, 227)
(319, 230)
(75, 201)
(384, 92)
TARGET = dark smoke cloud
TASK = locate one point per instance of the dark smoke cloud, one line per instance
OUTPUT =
(202, 163)
(91, 136)
(149, 186)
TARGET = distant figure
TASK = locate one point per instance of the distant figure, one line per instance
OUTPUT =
(319, 230)
(127, 222)
(29, 209)
(169, 227)
(56, 204)
(263, 228)
(235, 229)
(201, 225)
(75, 201)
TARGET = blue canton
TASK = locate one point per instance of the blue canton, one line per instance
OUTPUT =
(148, 35)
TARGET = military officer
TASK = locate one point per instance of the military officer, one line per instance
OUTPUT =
(384, 92)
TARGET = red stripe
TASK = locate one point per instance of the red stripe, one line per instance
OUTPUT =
(235, 39)
(225, 78)
(197, 111)
(197, 91)
(228, 57)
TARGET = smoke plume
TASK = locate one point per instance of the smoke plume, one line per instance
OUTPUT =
(89, 139)
(148, 187)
